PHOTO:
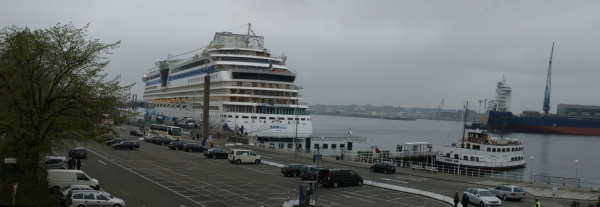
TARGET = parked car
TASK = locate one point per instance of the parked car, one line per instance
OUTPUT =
(64, 192)
(155, 139)
(78, 152)
(136, 132)
(163, 141)
(291, 170)
(55, 162)
(114, 141)
(79, 198)
(309, 172)
(482, 197)
(127, 145)
(508, 191)
(176, 145)
(58, 179)
(207, 151)
(193, 147)
(218, 153)
(384, 167)
(335, 177)
(148, 137)
(239, 156)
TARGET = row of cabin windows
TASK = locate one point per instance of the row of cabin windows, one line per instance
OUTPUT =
(513, 149)
(326, 146)
(271, 118)
(472, 158)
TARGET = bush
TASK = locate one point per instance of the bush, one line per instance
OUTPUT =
(28, 193)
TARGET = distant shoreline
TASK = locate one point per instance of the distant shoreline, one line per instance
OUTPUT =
(372, 117)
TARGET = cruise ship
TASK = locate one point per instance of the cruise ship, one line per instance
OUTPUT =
(251, 91)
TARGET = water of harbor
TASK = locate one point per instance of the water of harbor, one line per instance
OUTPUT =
(553, 155)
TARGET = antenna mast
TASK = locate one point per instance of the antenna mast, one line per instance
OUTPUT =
(546, 107)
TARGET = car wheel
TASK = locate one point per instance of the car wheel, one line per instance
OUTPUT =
(504, 197)
(55, 190)
(384, 171)
(481, 204)
(335, 185)
(162, 143)
(133, 148)
(256, 161)
(239, 162)
(118, 147)
(117, 205)
(372, 170)
(359, 183)
(80, 206)
(214, 156)
(297, 174)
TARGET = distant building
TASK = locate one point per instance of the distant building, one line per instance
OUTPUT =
(578, 110)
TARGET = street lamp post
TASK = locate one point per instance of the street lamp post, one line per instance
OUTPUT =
(296, 120)
(193, 115)
(531, 172)
(576, 161)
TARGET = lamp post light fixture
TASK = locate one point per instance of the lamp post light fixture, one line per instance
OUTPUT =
(296, 120)
(531, 172)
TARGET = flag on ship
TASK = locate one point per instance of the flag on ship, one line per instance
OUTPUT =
(271, 67)
(350, 131)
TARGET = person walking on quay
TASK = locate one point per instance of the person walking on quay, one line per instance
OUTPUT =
(71, 163)
(537, 203)
(78, 164)
(456, 199)
(198, 136)
(218, 135)
(465, 200)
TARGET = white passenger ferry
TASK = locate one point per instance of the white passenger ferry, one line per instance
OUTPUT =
(251, 91)
(478, 150)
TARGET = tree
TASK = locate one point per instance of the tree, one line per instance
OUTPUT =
(53, 91)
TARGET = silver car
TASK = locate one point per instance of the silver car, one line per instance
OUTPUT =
(482, 197)
(64, 192)
(55, 162)
(84, 198)
(508, 191)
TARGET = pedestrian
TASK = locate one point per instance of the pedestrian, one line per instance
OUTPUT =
(78, 164)
(71, 163)
(198, 136)
(218, 135)
(342, 154)
(456, 199)
(465, 200)
(537, 203)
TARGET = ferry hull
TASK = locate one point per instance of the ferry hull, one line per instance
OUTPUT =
(543, 125)
(499, 168)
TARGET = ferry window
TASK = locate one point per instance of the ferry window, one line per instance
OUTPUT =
(244, 117)
(465, 157)
(468, 146)
(273, 118)
(333, 146)
(303, 119)
(289, 146)
(237, 116)
(281, 145)
(503, 150)
(512, 159)
(489, 149)
(448, 155)
(477, 159)
(512, 149)
(230, 116)
(455, 156)
(472, 158)
(494, 150)
(297, 119)
(253, 117)
(262, 117)
(316, 146)
(342, 145)
(290, 118)
(325, 146)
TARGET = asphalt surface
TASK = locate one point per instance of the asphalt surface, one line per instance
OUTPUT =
(157, 176)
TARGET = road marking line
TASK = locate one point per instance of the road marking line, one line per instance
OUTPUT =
(102, 162)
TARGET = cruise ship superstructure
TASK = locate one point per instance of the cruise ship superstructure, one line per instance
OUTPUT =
(251, 91)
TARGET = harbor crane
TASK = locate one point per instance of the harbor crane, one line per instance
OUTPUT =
(546, 107)
(439, 110)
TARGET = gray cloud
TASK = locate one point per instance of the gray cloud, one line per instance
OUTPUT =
(408, 53)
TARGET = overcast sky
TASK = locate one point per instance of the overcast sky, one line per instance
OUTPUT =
(407, 53)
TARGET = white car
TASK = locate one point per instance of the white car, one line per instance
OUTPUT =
(58, 179)
(239, 156)
(65, 191)
(482, 197)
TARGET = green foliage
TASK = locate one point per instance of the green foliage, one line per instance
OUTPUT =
(53, 91)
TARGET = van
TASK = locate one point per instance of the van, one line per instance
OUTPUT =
(335, 177)
(239, 156)
(58, 179)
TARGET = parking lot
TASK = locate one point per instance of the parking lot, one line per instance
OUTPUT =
(156, 176)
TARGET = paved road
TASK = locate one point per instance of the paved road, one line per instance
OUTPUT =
(156, 176)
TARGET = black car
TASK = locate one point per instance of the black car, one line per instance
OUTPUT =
(115, 141)
(218, 153)
(176, 145)
(136, 132)
(384, 167)
(127, 145)
(163, 141)
(193, 147)
(335, 177)
(309, 172)
(291, 170)
(154, 139)
(148, 138)
(78, 152)
(207, 151)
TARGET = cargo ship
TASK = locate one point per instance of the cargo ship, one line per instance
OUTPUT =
(569, 119)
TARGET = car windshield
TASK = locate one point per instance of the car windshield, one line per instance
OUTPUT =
(518, 189)
(485, 193)
(176, 131)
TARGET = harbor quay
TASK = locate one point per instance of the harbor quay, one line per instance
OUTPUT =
(440, 183)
